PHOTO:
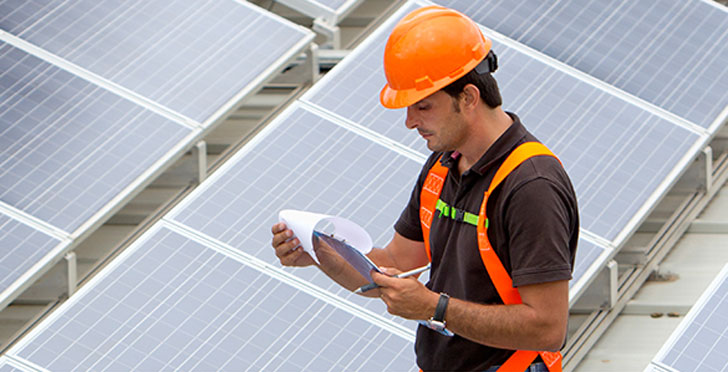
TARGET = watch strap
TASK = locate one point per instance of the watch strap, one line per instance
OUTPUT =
(441, 307)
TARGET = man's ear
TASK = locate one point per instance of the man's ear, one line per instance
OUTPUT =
(470, 96)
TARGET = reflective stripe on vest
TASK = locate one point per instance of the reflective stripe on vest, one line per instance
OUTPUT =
(521, 359)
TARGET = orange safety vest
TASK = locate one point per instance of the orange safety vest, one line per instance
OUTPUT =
(521, 359)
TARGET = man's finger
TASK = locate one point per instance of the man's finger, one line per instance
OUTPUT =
(291, 257)
(381, 279)
(287, 247)
(281, 237)
(279, 227)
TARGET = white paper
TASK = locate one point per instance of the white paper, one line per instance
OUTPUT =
(303, 223)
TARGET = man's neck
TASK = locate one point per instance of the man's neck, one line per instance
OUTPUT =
(487, 127)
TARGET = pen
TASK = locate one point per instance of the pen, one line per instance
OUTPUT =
(405, 274)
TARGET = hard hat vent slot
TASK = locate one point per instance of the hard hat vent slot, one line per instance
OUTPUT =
(456, 73)
(423, 83)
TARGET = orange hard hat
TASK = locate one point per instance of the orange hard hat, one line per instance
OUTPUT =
(428, 49)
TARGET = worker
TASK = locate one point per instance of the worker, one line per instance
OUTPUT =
(493, 210)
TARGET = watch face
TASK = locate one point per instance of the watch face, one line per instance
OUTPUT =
(436, 326)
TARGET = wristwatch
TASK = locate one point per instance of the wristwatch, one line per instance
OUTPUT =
(437, 322)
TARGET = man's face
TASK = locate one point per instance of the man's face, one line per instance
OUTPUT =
(436, 119)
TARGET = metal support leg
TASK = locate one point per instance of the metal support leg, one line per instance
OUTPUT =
(72, 272)
(312, 63)
(332, 33)
(707, 156)
(602, 293)
(199, 159)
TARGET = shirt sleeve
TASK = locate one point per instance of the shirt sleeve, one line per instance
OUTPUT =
(540, 226)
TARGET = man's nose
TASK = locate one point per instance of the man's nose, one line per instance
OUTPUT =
(411, 121)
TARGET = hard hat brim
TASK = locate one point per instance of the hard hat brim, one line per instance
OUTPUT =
(396, 99)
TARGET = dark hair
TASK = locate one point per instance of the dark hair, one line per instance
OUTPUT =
(485, 82)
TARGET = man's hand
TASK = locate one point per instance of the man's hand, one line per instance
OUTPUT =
(288, 248)
(405, 297)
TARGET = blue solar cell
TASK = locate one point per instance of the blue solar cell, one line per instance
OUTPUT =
(68, 147)
(191, 56)
(669, 53)
(172, 303)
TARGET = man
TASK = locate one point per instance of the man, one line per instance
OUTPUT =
(438, 65)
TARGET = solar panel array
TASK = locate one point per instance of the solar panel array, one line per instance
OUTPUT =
(90, 111)
(669, 53)
(192, 57)
(202, 288)
(700, 342)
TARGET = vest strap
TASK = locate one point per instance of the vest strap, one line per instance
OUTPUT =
(429, 196)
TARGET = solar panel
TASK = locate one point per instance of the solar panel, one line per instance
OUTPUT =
(590, 257)
(21, 248)
(700, 342)
(194, 57)
(308, 162)
(69, 147)
(620, 156)
(171, 302)
(670, 53)
(8, 365)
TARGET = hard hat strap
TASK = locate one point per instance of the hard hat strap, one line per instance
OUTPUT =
(488, 65)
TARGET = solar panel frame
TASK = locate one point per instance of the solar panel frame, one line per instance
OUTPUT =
(10, 365)
(591, 257)
(695, 323)
(101, 300)
(600, 45)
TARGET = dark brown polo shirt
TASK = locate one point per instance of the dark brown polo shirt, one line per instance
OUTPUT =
(534, 225)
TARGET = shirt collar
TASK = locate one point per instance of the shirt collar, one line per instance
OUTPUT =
(512, 137)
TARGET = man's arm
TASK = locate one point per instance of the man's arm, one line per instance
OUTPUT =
(401, 253)
(539, 323)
